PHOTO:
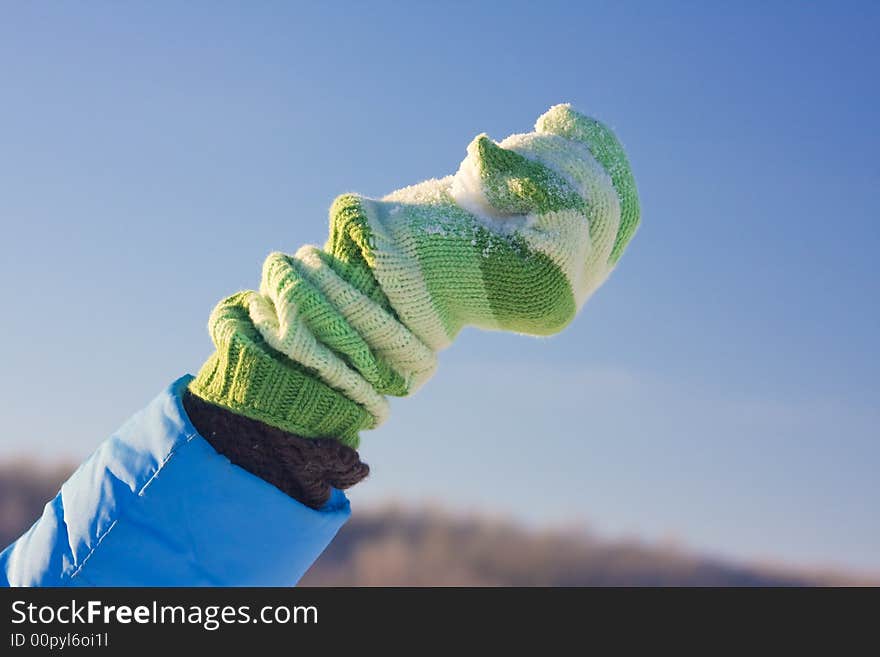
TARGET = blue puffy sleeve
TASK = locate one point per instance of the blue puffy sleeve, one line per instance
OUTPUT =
(156, 505)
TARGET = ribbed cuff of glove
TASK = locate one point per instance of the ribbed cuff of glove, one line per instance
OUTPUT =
(248, 377)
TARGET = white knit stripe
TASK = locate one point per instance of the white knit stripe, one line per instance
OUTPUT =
(455, 221)
(387, 337)
(283, 329)
(564, 238)
(604, 219)
(397, 269)
(580, 245)
(576, 164)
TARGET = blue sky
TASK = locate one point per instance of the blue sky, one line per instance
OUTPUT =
(720, 390)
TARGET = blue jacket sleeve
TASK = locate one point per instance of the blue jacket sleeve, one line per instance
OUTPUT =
(156, 505)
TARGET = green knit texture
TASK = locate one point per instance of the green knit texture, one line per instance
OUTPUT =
(517, 185)
(251, 379)
(517, 240)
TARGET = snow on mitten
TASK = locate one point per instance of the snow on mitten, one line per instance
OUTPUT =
(516, 240)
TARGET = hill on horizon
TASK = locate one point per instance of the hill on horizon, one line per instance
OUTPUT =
(395, 546)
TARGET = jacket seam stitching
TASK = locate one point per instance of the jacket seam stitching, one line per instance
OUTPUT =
(138, 494)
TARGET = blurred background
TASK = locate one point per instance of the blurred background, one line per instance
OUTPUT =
(710, 418)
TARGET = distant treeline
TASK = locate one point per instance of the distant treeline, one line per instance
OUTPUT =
(423, 547)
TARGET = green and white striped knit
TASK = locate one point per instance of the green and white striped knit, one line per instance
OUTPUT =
(516, 240)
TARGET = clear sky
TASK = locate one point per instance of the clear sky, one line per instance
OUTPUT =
(721, 389)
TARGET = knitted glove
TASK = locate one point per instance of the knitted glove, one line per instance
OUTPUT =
(516, 240)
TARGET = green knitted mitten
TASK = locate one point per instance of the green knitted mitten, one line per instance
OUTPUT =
(516, 240)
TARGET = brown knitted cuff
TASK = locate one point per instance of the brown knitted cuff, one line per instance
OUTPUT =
(304, 468)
